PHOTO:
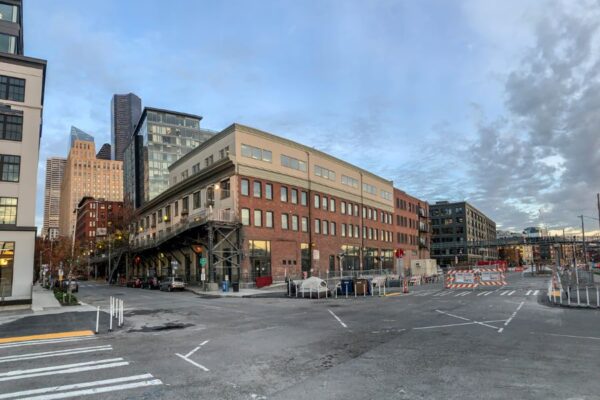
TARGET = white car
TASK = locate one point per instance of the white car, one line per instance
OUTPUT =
(172, 283)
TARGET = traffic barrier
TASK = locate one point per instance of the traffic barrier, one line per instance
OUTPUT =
(491, 277)
(461, 279)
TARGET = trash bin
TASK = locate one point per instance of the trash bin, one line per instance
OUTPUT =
(225, 286)
(362, 286)
(346, 286)
(235, 286)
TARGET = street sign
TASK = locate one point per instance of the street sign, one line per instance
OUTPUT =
(465, 277)
(203, 261)
(315, 254)
(490, 276)
(202, 275)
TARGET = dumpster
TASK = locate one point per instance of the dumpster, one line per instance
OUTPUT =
(225, 286)
(235, 286)
(362, 286)
(346, 286)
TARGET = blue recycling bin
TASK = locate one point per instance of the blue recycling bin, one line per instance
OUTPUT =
(346, 286)
(225, 286)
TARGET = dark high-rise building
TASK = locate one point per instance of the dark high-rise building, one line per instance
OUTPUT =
(459, 232)
(104, 152)
(11, 21)
(161, 137)
(125, 111)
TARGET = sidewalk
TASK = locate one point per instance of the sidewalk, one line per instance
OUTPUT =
(43, 299)
(266, 292)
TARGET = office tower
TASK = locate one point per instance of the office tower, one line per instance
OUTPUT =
(55, 167)
(85, 175)
(104, 152)
(125, 110)
(78, 134)
(161, 138)
(22, 81)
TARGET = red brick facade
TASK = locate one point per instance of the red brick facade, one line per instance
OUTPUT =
(97, 218)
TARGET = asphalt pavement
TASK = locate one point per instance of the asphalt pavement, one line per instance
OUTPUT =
(432, 343)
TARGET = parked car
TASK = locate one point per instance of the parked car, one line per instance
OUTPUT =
(172, 283)
(72, 283)
(151, 283)
(134, 283)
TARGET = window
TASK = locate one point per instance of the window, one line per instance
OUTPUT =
(304, 224)
(208, 161)
(369, 188)
(348, 181)
(284, 194)
(356, 232)
(245, 187)
(176, 208)
(196, 199)
(317, 203)
(332, 228)
(269, 219)
(12, 88)
(224, 152)
(8, 210)
(185, 203)
(196, 168)
(370, 213)
(9, 168)
(325, 227)
(324, 202)
(324, 173)
(294, 193)
(225, 189)
(256, 153)
(258, 218)
(303, 198)
(8, 43)
(7, 257)
(356, 210)
(343, 230)
(9, 13)
(343, 207)
(245, 216)
(364, 212)
(294, 163)
(386, 195)
(257, 189)
(317, 226)
(284, 221)
(332, 205)
(268, 191)
(294, 222)
(184, 174)
(11, 127)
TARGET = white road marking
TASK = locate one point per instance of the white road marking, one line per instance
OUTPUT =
(202, 367)
(528, 293)
(481, 293)
(452, 315)
(104, 389)
(511, 293)
(58, 353)
(82, 385)
(443, 326)
(503, 293)
(536, 292)
(192, 352)
(64, 366)
(338, 318)
(47, 341)
(203, 343)
(569, 336)
(66, 371)
(490, 292)
(514, 314)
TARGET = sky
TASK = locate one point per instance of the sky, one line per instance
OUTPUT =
(491, 102)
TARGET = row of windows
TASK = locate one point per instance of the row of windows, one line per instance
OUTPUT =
(407, 206)
(324, 173)
(294, 163)
(10, 167)
(406, 222)
(256, 153)
(8, 210)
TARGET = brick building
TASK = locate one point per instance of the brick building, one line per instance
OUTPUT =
(97, 218)
(262, 205)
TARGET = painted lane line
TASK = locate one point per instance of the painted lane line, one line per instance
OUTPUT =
(570, 336)
(444, 326)
(514, 314)
(58, 353)
(202, 367)
(503, 293)
(49, 341)
(481, 294)
(452, 315)
(528, 292)
(105, 389)
(488, 293)
(82, 385)
(59, 335)
(338, 319)
(58, 367)
(65, 371)
(511, 293)
(203, 343)
(192, 352)
(536, 292)
(484, 324)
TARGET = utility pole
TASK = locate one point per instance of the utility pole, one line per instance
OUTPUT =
(598, 199)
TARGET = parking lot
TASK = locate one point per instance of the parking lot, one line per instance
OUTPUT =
(429, 344)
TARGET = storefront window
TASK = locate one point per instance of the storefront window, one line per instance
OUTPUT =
(260, 258)
(7, 258)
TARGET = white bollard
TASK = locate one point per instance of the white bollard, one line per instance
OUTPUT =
(569, 296)
(97, 319)
(371, 289)
(578, 302)
(384, 289)
(122, 312)
(597, 298)
(364, 290)
(289, 288)
(346, 291)
(587, 296)
(355, 290)
(110, 317)
(379, 289)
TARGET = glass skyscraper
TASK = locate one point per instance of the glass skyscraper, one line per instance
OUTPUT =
(160, 138)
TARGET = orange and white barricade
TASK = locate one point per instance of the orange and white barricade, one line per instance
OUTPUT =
(461, 279)
(491, 277)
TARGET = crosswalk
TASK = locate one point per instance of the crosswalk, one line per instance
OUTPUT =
(66, 368)
(477, 293)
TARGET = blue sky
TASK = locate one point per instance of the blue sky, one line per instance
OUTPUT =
(435, 95)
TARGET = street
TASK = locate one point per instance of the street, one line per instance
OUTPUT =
(429, 344)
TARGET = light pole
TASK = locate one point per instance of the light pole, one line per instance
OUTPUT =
(583, 241)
